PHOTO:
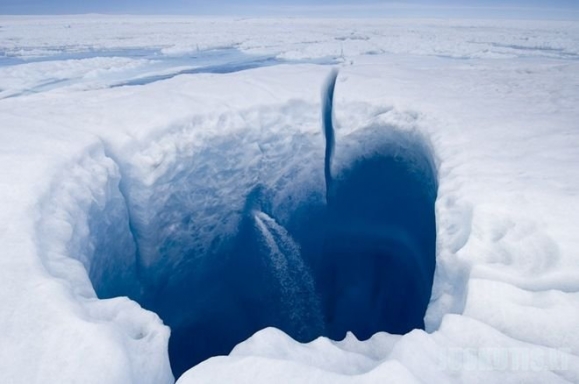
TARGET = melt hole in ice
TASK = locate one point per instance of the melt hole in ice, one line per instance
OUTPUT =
(359, 259)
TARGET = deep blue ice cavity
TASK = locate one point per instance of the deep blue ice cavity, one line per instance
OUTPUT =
(377, 259)
(356, 256)
(363, 262)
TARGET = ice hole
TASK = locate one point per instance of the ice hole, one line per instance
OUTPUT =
(360, 259)
(256, 230)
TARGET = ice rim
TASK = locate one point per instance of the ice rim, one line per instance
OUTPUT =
(120, 232)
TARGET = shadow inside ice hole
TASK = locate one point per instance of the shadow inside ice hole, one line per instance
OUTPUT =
(362, 262)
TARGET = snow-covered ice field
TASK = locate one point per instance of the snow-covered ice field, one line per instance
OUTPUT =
(133, 150)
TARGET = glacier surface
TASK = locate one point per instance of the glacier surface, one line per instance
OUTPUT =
(135, 150)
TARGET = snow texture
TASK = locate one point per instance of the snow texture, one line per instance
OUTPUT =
(129, 142)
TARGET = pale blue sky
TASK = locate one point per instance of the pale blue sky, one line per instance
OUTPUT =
(561, 9)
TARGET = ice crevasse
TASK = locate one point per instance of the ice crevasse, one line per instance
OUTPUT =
(156, 192)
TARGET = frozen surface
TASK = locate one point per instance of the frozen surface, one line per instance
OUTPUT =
(125, 139)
